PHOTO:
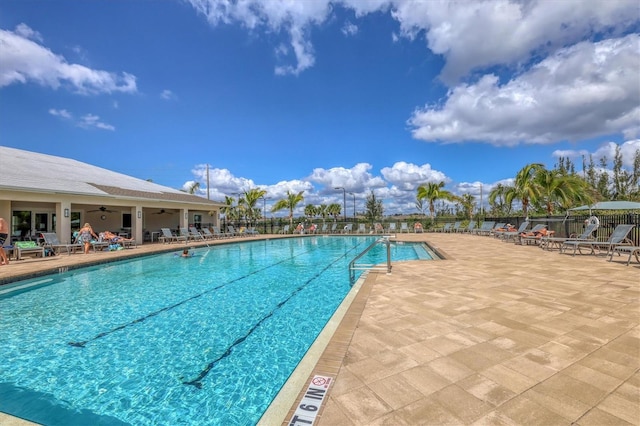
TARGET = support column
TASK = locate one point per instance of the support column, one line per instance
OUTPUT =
(137, 224)
(63, 222)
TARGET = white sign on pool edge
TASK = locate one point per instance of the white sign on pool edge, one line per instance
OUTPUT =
(308, 408)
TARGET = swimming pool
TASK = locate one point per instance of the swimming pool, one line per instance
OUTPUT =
(166, 340)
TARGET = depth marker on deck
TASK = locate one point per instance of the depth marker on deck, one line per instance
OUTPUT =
(307, 410)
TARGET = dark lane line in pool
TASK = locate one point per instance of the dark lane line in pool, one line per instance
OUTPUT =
(81, 344)
(197, 382)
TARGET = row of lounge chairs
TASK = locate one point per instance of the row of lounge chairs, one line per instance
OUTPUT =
(204, 234)
(617, 243)
(51, 245)
(377, 228)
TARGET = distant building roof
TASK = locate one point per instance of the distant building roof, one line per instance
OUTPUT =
(35, 172)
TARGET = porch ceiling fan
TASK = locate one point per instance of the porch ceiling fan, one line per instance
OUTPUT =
(102, 209)
(163, 211)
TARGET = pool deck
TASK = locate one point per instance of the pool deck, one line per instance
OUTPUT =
(496, 334)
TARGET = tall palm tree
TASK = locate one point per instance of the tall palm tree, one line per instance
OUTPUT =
(250, 199)
(334, 210)
(290, 203)
(524, 187)
(468, 202)
(310, 211)
(432, 192)
(229, 209)
(322, 211)
(497, 199)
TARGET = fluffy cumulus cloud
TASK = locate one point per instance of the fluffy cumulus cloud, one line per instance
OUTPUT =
(25, 60)
(356, 179)
(607, 150)
(481, 34)
(408, 177)
(586, 90)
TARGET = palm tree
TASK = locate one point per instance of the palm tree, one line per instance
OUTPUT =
(194, 187)
(555, 188)
(497, 199)
(249, 201)
(433, 191)
(322, 211)
(468, 202)
(524, 187)
(229, 209)
(334, 210)
(310, 210)
(290, 203)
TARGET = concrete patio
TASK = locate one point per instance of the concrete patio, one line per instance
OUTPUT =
(496, 334)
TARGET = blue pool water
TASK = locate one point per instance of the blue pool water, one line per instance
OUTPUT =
(207, 340)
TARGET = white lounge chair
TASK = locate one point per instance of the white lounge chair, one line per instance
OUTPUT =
(362, 228)
(404, 227)
(51, 241)
(617, 238)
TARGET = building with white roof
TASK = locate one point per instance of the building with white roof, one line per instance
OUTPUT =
(45, 193)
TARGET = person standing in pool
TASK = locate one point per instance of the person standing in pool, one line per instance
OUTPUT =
(4, 233)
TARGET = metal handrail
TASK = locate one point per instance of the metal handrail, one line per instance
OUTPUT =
(367, 266)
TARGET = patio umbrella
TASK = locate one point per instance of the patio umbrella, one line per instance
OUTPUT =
(610, 205)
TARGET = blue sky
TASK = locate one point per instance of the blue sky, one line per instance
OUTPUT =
(313, 95)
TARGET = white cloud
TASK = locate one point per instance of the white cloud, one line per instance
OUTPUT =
(291, 17)
(167, 95)
(93, 121)
(586, 90)
(606, 150)
(481, 34)
(356, 179)
(25, 31)
(60, 113)
(88, 121)
(349, 29)
(409, 177)
(24, 61)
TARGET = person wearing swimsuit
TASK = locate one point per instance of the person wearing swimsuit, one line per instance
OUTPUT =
(4, 233)
(84, 234)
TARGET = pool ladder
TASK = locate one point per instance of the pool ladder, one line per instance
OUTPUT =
(353, 266)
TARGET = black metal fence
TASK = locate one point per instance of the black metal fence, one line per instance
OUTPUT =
(562, 226)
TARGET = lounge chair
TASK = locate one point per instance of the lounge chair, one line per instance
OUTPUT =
(446, 227)
(631, 250)
(378, 229)
(534, 236)
(485, 228)
(334, 228)
(167, 237)
(470, 227)
(251, 230)
(207, 234)
(617, 238)
(284, 230)
(27, 247)
(231, 230)
(417, 228)
(404, 227)
(456, 227)
(195, 235)
(362, 229)
(219, 234)
(51, 241)
(324, 229)
(496, 227)
(587, 235)
(348, 228)
(508, 235)
(392, 228)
